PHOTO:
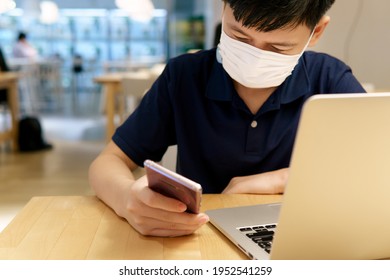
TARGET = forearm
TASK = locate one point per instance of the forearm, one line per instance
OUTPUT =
(111, 178)
(273, 182)
(149, 212)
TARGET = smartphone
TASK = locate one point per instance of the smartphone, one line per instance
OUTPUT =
(171, 184)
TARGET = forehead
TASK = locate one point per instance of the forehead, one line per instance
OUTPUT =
(229, 22)
(266, 18)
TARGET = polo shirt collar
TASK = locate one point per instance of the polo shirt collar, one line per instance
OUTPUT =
(220, 86)
(299, 81)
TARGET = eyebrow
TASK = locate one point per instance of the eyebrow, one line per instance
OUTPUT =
(280, 44)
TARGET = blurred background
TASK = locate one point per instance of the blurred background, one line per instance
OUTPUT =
(76, 41)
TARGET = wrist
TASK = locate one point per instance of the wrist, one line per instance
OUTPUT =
(281, 177)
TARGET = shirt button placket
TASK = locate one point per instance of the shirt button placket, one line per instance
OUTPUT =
(254, 137)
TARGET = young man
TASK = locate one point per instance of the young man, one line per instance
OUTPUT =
(233, 112)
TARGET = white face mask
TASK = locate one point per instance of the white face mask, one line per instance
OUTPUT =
(253, 67)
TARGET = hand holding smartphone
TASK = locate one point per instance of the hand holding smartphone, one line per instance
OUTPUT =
(171, 184)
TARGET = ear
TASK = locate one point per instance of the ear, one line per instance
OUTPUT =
(319, 30)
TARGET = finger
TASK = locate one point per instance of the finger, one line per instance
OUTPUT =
(169, 233)
(150, 226)
(170, 217)
(156, 200)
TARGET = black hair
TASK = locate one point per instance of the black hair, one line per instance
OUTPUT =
(268, 15)
(22, 36)
(217, 34)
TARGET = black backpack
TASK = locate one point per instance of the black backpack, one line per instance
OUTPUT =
(31, 136)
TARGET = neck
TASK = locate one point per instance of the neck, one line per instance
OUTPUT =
(254, 98)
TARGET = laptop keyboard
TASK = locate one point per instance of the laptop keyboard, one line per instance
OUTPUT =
(262, 235)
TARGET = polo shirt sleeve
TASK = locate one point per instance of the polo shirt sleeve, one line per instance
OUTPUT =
(344, 81)
(331, 75)
(149, 130)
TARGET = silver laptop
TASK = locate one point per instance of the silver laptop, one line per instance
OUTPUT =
(337, 200)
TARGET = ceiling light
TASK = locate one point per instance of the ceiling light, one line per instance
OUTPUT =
(7, 5)
(136, 9)
(49, 12)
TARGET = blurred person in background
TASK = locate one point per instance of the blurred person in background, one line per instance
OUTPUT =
(23, 49)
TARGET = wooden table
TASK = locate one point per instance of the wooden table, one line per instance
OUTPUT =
(112, 88)
(9, 81)
(82, 227)
(115, 97)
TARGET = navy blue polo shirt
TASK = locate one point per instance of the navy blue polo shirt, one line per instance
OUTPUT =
(194, 104)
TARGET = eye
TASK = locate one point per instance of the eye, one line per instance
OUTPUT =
(281, 49)
(242, 39)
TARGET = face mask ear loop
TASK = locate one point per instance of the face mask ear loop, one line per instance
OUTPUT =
(308, 41)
